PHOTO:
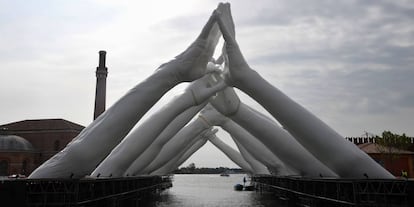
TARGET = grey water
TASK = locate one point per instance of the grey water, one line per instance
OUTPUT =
(211, 190)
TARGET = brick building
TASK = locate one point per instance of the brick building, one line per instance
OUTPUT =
(401, 160)
(24, 145)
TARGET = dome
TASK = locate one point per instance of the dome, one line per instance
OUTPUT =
(14, 143)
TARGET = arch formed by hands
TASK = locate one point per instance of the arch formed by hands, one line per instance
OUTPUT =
(304, 146)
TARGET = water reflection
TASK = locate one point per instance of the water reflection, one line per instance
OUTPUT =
(210, 190)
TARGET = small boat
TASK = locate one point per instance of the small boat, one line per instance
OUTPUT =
(249, 188)
(224, 175)
(238, 187)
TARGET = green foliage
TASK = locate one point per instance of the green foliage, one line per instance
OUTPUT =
(396, 141)
(390, 144)
(204, 170)
(191, 166)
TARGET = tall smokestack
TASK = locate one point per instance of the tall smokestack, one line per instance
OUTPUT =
(100, 95)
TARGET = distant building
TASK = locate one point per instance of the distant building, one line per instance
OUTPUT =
(403, 161)
(17, 155)
(24, 145)
(362, 140)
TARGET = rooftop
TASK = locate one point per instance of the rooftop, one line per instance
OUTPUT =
(373, 148)
(41, 124)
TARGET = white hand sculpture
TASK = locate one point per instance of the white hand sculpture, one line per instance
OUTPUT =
(256, 148)
(123, 155)
(231, 153)
(238, 69)
(191, 64)
(226, 102)
(204, 88)
(212, 117)
(312, 133)
(278, 140)
(128, 110)
(208, 133)
(174, 145)
(257, 166)
(180, 158)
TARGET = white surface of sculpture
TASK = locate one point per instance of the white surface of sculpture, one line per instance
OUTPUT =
(176, 149)
(257, 166)
(255, 147)
(263, 155)
(317, 137)
(280, 142)
(128, 110)
(146, 157)
(232, 154)
(140, 139)
(180, 158)
(310, 147)
(174, 145)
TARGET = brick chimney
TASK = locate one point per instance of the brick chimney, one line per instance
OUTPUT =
(100, 95)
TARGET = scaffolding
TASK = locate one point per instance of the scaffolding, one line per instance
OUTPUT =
(338, 192)
(111, 192)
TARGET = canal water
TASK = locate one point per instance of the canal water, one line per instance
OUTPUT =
(209, 191)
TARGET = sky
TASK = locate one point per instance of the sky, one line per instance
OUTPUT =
(348, 62)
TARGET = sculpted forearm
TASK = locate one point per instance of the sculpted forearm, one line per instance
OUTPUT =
(176, 144)
(317, 137)
(150, 152)
(231, 154)
(124, 114)
(136, 142)
(256, 165)
(256, 148)
(280, 143)
(180, 158)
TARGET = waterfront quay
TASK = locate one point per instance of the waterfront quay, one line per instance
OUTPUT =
(295, 191)
(111, 192)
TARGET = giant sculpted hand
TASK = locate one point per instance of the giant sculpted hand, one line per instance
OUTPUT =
(191, 64)
(213, 118)
(238, 69)
(208, 133)
(204, 87)
(226, 102)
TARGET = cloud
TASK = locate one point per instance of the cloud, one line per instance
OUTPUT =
(341, 60)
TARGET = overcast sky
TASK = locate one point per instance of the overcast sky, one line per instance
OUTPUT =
(348, 62)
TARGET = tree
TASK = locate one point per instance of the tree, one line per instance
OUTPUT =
(390, 144)
(191, 166)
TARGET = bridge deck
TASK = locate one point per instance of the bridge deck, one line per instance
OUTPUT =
(338, 192)
(81, 192)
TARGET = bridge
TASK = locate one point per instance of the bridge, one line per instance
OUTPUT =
(113, 192)
(295, 153)
(295, 191)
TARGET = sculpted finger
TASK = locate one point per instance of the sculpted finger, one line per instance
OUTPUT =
(207, 27)
(213, 71)
(219, 60)
(226, 17)
(212, 68)
(228, 37)
(213, 136)
(220, 85)
(211, 132)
